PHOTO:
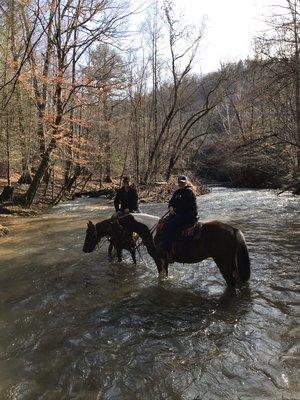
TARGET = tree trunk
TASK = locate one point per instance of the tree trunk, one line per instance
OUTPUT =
(68, 186)
(69, 161)
(42, 168)
(7, 194)
(25, 178)
(298, 112)
(7, 150)
(107, 141)
(170, 168)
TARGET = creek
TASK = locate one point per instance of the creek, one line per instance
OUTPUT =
(76, 326)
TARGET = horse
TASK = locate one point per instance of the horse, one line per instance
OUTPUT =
(222, 242)
(118, 238)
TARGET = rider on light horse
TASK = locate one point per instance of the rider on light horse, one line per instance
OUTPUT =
(183, 212)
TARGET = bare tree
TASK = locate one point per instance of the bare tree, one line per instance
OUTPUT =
(92, 21)
(280, 52)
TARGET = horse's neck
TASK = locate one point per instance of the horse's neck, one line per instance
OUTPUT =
(102, 229)
(149, 220)
(133, 224)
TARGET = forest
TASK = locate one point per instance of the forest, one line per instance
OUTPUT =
(149, 199)
(86, 96)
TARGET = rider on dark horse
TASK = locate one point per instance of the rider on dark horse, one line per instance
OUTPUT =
(183, 212)
(126, 200)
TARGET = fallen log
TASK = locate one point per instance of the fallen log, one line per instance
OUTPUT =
(109, 193)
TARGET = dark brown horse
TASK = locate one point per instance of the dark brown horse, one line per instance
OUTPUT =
(220, 241)
(117, 236)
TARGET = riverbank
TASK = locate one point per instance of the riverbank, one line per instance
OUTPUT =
(160, 192)
(156, 192)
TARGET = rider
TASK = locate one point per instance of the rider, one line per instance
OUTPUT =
(126, 200)
(183, 212)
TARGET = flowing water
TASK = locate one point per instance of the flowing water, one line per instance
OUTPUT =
(75, 326)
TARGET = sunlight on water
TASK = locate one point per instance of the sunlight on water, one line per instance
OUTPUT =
(75, 326)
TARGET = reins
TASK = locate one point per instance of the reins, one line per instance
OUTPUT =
(137, 247)
(102, 241)
(156, 225)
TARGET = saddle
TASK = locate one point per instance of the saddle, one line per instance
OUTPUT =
(191, 232)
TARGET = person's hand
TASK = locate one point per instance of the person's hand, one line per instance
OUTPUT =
(126, 211)
(171, 210)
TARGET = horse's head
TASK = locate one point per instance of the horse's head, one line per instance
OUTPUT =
(91, 238)
(109, 228)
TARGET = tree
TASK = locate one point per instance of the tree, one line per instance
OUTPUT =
(280, 52)
(75, 28)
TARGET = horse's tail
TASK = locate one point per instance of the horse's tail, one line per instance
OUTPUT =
(242, 256)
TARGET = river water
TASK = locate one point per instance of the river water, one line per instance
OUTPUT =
(75, 326)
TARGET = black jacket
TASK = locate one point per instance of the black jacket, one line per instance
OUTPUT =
(184, 203)
(124, 200)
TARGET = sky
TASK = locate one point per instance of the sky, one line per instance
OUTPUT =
(230, 27)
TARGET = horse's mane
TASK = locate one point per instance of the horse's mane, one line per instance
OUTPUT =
(103, 224)
(130, 223)
(146, 219)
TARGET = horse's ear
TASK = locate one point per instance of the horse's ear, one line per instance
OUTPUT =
(89, 223)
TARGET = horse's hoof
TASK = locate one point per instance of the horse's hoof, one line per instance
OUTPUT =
(162, 275)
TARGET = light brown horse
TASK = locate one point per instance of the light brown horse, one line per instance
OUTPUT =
(220, 241)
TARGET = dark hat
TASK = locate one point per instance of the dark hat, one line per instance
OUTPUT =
(126, 179)
(182, 178)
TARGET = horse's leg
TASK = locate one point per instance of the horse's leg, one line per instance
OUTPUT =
(110, 249)
(235, 274)
(163, 273)
(167, 268)
(226, 270)
(119, 254)
(132, 252)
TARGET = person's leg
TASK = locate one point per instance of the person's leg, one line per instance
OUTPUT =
(173, 225)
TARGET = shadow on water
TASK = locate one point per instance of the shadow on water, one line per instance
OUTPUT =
(181, 302)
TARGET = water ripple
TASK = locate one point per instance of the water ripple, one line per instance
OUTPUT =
(75, 326)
